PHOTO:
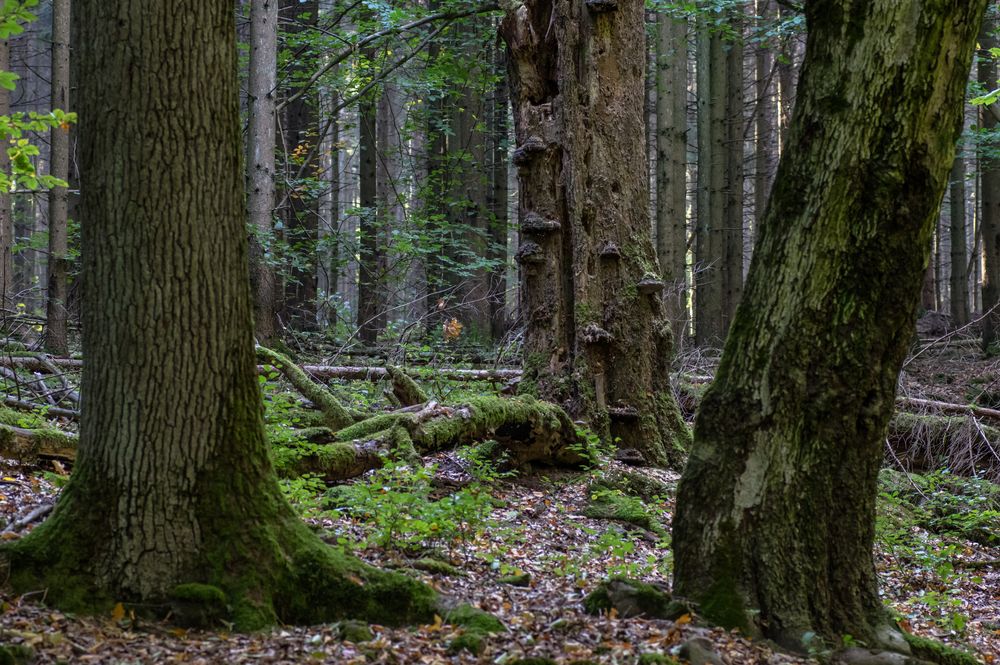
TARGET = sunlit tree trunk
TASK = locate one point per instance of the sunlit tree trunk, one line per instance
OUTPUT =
(776, 508)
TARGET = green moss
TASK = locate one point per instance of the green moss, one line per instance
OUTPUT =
(16, 654)
(355, 631)
(474, 619)
(21, 419)
(198, 605)
(471, 641)
(656, 659)
(607, 504)
(336, 416)
(937, 652)
(405, 388)
(723, 605)
(522, 580)
(436, 567)
(630, 598)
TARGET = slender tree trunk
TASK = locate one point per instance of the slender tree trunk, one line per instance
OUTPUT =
(173, 483)
(776, 508)
(711, 124)
(370, 306)
(732, 230)
(6, 216)
(300, 126)
(989, 170)
(671, 165)
(786, 84)
(766, 148)
(597, 339)
(388, 195)
(260, 164)
(497, 198)
(959, 262)
(56, 313)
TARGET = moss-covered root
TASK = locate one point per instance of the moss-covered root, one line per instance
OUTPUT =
(405, 388)
(632, 598)
(335, 415)
(936, 652)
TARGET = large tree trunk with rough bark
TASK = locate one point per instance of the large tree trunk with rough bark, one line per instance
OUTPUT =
(597, 339)
(776, 508)
(173, 499)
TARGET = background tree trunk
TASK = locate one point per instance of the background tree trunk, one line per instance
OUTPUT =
(990, 191)
(56, 312)
(776, 507)
(370, 305)
(671, 165)
(263, 81)
(959, 263)
(597, 340)
(6, 216)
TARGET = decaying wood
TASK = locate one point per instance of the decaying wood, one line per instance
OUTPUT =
(30, 444)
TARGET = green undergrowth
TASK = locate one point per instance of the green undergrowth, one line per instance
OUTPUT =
(925, 523)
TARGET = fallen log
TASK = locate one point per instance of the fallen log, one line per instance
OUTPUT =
(522, 430)
(28, 445)
(33, 363)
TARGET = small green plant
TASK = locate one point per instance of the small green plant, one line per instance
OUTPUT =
(396, 506)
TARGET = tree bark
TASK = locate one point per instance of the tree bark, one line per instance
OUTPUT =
(671, 165)
(597, 340)
(776, 507)
(959, 263)
(56, 312)
(173, 491)
(989, 170)
(766, 120)
(6, 216)
(261, 135)
(370, 305)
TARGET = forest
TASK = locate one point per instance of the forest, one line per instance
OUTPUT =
(524, 332)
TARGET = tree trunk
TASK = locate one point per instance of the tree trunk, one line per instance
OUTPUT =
(297, 205)
(766, 130)
(671, 165)
(776, 507)
(989, 171)
(263, 81)
(370, 306)
(732, 230)
(6, 216)
(597, 340)
(173, 490)
(56, 313)
(959, 263)
(497, 201)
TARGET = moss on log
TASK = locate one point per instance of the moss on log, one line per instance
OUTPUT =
(335, 414)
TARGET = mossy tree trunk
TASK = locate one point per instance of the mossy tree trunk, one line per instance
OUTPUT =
(597, 339)
(172, 483)
(776, 507)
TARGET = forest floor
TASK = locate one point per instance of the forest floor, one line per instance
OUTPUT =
(522, 548)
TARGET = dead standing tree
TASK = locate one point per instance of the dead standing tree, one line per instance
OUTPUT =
(597, 340)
